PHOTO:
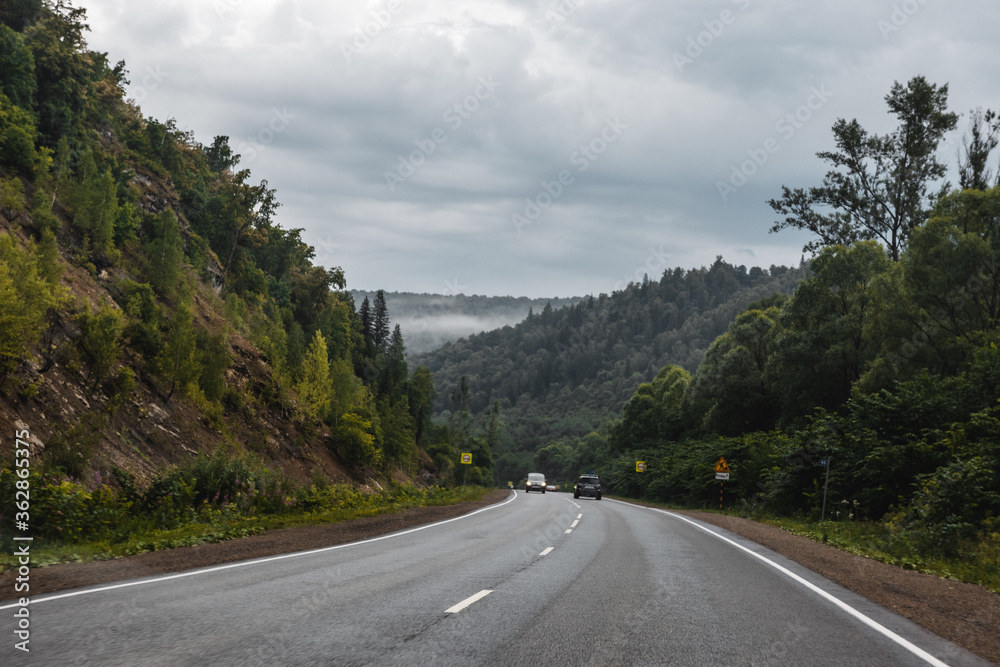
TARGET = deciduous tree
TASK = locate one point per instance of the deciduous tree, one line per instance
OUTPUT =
(100, 341)
(25, 296)
(880, 186)
(313, 388)
(973, 164)
(180, 365)
(825, 341)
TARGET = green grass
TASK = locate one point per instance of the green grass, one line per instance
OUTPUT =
(977, 562)
(214, 525)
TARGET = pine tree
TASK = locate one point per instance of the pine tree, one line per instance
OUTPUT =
(104, 203)
(380, 322)
(366, 326)
(94, 199)
(421, 400)
(62, 66)
(48, 257)
(81, 187)
(166, 252)
(395, 372)
(547, 313)
(460, 423)
(17, 69)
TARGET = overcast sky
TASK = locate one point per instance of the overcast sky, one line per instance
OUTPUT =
(536, 147)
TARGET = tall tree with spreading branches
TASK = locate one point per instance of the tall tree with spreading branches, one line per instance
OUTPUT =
(880, 187)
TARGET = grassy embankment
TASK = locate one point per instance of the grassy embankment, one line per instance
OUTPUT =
(973, 561)
(203, 500)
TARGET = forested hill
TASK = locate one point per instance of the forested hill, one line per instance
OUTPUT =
(562, 372)
(428, 321)
(152, 308)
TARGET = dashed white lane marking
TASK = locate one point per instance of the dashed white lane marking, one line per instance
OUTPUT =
(569, 530)
(259, 561)
(909, 646)
(579, 516)
(573, 525)
(468, 601)
(547, 551)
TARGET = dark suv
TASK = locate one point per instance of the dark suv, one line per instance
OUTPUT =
(587, 485)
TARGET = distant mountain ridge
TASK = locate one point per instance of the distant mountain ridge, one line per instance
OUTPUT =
(428, 321)
(562, 373)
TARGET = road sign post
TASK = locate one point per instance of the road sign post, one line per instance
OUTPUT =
(826, 464)
(467, 460)
(721, 474)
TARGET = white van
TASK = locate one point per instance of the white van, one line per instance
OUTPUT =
(536, 482)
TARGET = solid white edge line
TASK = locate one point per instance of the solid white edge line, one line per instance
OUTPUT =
(270, 559)
(905, 643)
(468, 601)
(546, 551)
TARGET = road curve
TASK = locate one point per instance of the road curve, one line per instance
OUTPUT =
(538, 579)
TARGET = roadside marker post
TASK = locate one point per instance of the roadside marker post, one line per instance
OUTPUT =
(826, 464)
(721, 474)
(467, 460)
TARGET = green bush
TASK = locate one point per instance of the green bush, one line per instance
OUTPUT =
(63, 510)
(12, 195)
(951, 506)
(206, 498)
(71, 447)
(121, 387)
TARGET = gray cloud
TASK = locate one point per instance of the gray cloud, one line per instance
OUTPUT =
(362, 102)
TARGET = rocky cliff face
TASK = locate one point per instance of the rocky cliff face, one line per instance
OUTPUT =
(93, 430)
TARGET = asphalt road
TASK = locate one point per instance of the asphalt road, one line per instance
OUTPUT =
(541, 579)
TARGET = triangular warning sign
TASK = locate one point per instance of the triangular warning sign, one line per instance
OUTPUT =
(722, 466)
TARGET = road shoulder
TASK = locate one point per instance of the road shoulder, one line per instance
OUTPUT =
(272, 543)
(963, 613)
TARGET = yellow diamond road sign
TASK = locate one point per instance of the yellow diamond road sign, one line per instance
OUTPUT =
(466, 458)
(722, 466)
(640, 466)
